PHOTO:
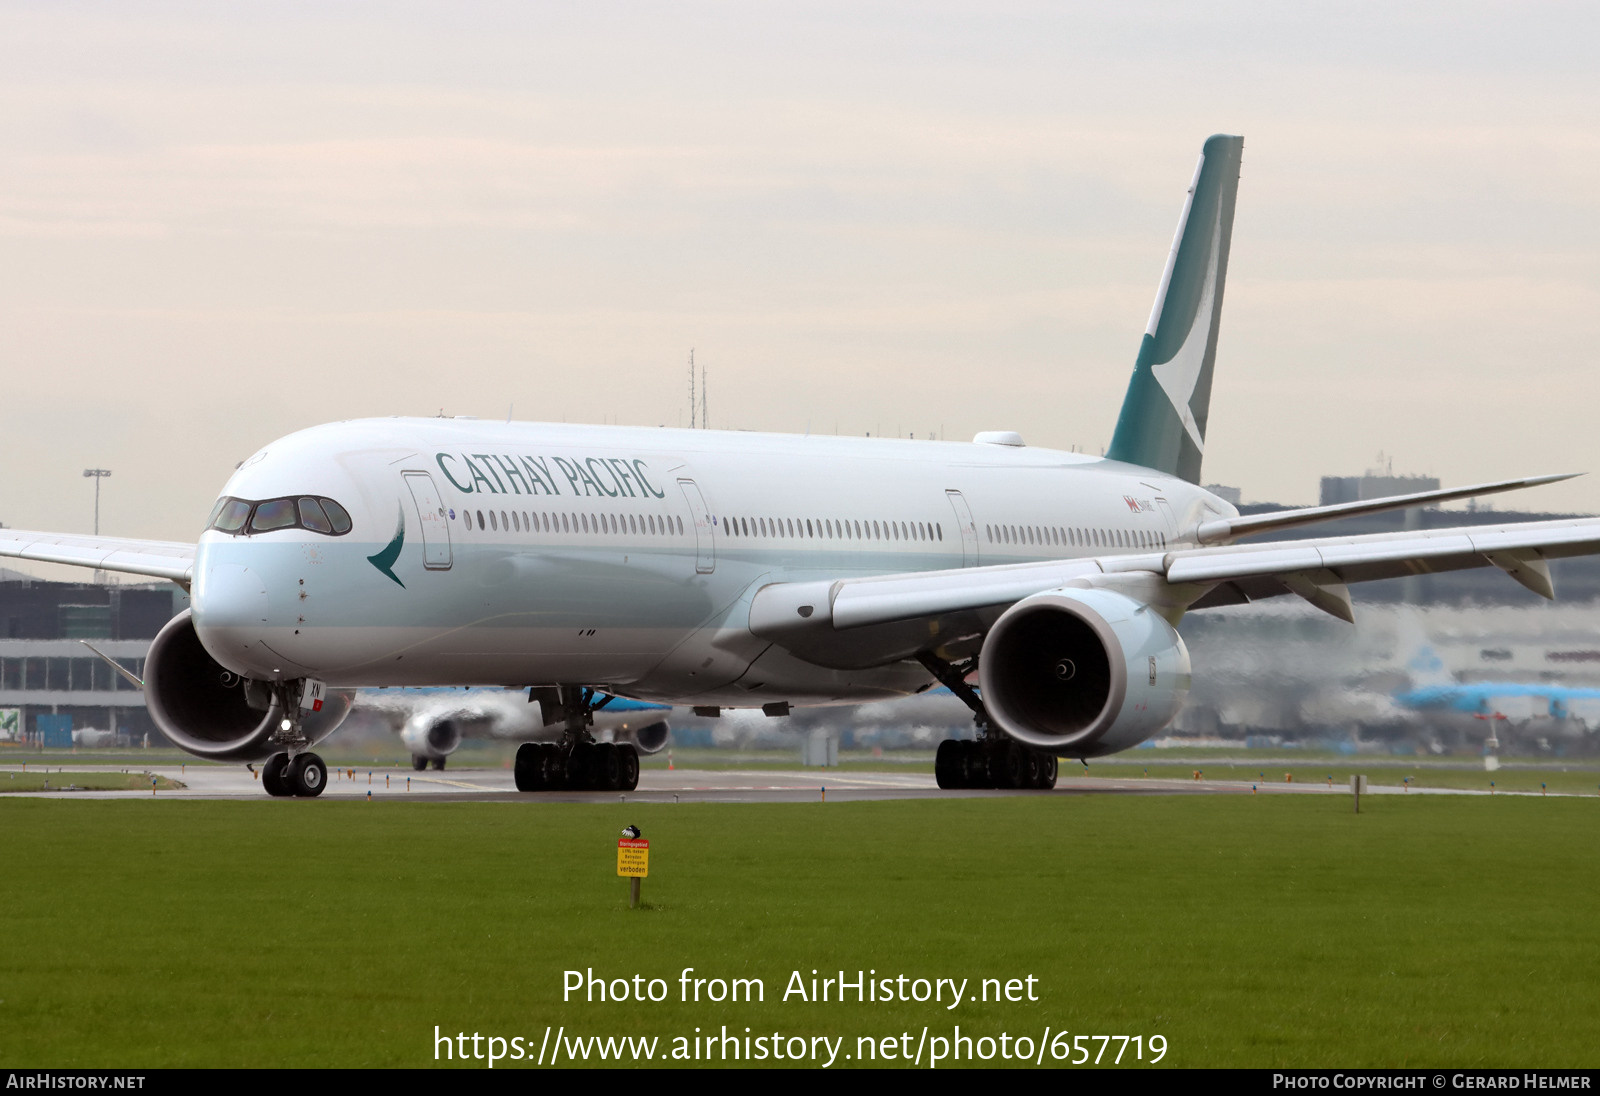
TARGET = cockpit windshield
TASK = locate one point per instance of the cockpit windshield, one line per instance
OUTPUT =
(230, 516)
(247, 517)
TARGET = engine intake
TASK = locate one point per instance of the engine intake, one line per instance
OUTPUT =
(651, 739)
(204, 708)
(1083, 673)
(431, 736)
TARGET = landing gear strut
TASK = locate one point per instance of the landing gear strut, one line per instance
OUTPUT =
(577, 762)
(995, 760)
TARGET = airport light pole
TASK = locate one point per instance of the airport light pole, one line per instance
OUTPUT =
(96, 474)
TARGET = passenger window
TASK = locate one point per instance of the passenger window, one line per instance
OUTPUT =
(276, 514)
(312, 517)
(234, 513)
(338, 516)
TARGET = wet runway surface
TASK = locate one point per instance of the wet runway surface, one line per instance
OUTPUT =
(658, 786)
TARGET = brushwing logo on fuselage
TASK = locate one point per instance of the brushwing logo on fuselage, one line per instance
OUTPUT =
(385, 560)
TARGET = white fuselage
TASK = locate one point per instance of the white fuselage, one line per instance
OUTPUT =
(536, 553)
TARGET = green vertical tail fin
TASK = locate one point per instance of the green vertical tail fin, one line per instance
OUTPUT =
(1163, 419)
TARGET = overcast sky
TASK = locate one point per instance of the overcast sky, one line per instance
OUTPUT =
(221, 223)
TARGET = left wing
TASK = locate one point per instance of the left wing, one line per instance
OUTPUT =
(1317, 569)
(171, 560)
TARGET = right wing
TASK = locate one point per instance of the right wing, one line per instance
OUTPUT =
(171, 560)
(872, 620)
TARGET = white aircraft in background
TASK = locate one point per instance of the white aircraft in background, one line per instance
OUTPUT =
(432, 722)
(731, 569)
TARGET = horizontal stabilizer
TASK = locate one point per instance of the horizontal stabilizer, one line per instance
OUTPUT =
(1227, 529)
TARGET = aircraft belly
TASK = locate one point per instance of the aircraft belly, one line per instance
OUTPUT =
(504, 654)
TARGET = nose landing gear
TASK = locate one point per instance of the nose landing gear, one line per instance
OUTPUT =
(292, 772)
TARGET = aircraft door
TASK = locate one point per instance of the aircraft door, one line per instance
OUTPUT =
(969, 529)
(431, 520)
(705, 557)
(1167, 518)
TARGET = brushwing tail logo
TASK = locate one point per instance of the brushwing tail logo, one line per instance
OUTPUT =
(384, 561)
(1180, 374)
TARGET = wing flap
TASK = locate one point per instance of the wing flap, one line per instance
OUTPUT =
(171, 560)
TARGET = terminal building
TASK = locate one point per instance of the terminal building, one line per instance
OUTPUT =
(54, 691)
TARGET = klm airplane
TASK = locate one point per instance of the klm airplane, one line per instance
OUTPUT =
(433, 722)
(737, 570)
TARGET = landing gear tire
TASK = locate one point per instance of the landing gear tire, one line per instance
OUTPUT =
(947, 765)
(977, 765)
(581, 766)
(273, 775)
(1032, 769)
(989, 764)
(1007, 766)
(528, 770)
(1049, 766)
(438, 764)
(418, 762)
(608, 767)
(554, 767)
(307, 776)
(628, 763)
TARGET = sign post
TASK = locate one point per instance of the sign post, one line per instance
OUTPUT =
(633, 862)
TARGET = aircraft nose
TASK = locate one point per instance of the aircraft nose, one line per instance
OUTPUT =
(230, 613)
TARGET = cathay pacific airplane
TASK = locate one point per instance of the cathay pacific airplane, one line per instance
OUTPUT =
(754, 570)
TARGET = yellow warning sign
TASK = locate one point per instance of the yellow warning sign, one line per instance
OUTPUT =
(633, 857)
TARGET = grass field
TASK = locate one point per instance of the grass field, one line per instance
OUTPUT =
(85, 781)
(1249, 931)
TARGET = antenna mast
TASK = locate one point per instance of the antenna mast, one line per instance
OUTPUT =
(705, 416)
(692, 404)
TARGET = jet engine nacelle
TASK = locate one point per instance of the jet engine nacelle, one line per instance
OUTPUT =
(1082, 673)
(431, 736)
(651, 739)
(214, 713)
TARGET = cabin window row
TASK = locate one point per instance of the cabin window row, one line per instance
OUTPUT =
(649, 525)
(830, 529)
(1061, 536)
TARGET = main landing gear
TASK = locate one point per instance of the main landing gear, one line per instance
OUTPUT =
(586, 767)
(995, 760)
(577, 762)
(420, 763)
